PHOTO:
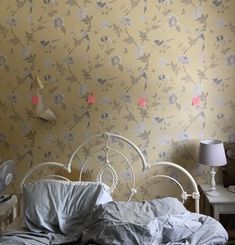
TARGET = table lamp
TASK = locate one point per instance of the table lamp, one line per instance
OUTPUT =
(211, 152)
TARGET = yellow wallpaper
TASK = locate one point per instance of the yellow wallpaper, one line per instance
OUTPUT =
(168, 52)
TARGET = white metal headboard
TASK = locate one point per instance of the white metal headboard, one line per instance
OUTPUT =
(107, 166)
(184, 195)
(45, 164)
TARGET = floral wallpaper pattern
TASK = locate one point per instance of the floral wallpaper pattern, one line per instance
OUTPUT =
(178, 56)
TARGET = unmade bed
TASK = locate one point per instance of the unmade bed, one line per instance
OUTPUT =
(56, 210)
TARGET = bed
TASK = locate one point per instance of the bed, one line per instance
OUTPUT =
(56, 210)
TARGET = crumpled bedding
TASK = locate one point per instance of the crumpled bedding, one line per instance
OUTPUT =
(24, 238)
(162, 221)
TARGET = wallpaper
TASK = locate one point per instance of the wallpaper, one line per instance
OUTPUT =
(159, 72)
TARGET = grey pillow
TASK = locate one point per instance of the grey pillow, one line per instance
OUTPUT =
(167, 206)
(59, 206)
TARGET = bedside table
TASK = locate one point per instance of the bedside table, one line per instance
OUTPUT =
(7, 212)
(224, 203)
(221, 207)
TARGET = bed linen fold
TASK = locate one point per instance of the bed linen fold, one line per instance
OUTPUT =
(151, 223)
(25, 238)
(163, 221)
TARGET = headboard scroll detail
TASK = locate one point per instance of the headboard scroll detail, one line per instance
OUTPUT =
(106, 166)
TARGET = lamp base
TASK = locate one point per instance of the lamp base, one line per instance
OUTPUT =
(212, 193)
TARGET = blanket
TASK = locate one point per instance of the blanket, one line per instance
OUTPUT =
(163, 221)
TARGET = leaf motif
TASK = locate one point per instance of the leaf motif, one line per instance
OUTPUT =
(6, 68)
(186, 2)
(144, 58)
(15, 40)
(143, 36)
(203, 47)
(145, 9)
(143, 113)
(167, 89)
(144, 75)
(167, 12)
(128, 40)
(154, 26)
(232, 28)
(97, 57)
(134, 3)
(72, 2)
(71, 79)
(3, 30)
(52, 13)
(129, 117)
(98, 65)
(40, 27)
(20, 4)
(213, 65)
(52, 89)
(120, 67)
(120, 144)
(76, 41)
(178, 106)
(202, 114)
(187, 78)
(63, 29)
(226, 50)
(109, 51)
(3, 106)
(191, 41)
(15, 118)
(203, 125)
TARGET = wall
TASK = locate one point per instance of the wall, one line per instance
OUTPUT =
(167, 52)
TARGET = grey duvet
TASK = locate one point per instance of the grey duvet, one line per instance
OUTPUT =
(161, 221)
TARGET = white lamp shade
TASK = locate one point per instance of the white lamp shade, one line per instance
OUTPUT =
(211, 152)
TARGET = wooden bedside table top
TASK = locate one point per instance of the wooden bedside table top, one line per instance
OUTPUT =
(225, 196)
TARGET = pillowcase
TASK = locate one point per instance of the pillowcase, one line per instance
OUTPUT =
(167, 206)
(59, 206)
